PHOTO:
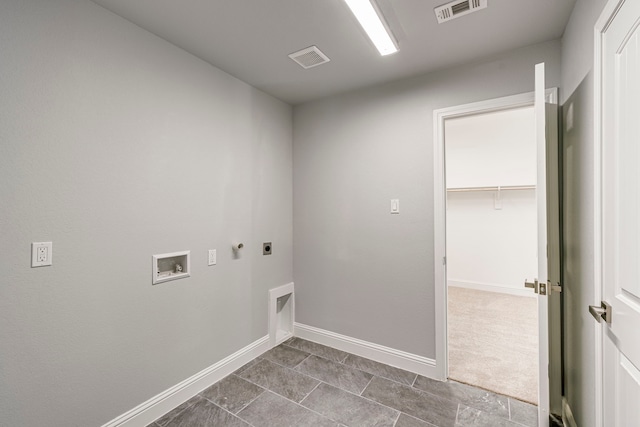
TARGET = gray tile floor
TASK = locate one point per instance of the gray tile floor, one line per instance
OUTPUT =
(301, 383)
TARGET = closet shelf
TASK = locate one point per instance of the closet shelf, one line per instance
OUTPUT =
(495, 188)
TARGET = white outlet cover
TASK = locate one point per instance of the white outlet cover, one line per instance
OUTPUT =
(212, 257)
(41, 254)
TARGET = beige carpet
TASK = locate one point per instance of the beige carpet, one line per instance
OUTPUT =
(493, 342)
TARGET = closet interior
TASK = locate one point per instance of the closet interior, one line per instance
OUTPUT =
(491, 222)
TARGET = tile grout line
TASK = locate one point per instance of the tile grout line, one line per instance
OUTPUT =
(366, 398)
(286, 398)
(311, 353)
(365, 387)
(319, 379)
(466, 403)
(242, 368)
(288, 367)
(308, 409)
(382, 376)
(252, 400)
(413, 383)
(350, 392)
(231, 413)
(344, 360)
(301, 362)
(419, 391)
(362, 370)
(379, 363)
(295, 348)
(355, 394)
(295, 369)
(266, 389)
(319, 355)
(172, 418)
(308, 394)
(397, 418)
(304, 375)
(428, 423)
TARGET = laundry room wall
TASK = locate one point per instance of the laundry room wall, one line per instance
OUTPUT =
(359, 270)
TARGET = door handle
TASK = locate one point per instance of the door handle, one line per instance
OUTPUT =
(601, 313)
(533, 285)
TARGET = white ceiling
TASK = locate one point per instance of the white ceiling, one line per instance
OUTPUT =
(250, 39)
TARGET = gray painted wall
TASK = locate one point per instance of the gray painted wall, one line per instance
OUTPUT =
(360, 271)
(116, 145)
(577, 92)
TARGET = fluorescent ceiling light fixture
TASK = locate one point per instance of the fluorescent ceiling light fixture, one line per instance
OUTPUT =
(372, 24)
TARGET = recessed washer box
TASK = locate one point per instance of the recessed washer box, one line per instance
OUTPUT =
(281, 314)
(172, 266)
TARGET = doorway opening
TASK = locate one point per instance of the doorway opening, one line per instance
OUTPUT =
(491, 247)
(547, 284)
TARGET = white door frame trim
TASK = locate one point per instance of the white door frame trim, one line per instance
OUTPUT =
(440, 204)
(602, 24)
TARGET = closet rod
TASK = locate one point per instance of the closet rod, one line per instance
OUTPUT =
(496, 188)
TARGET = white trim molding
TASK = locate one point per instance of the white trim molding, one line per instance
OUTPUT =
(400, 359)
(157, 406)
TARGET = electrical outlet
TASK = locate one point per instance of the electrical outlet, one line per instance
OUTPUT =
(212, 257)
(41, 254)
(266, 248)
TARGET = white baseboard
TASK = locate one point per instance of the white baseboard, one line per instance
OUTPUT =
(567, 415)
(400, 359)
(488, 287)
(164, 402)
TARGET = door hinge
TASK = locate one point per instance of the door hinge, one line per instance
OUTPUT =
(444, 260)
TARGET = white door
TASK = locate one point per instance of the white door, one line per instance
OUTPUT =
(547, 195)
(620, 227)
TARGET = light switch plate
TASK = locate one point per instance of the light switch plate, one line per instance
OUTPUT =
(41, 254)
(212, 257)
(395, 206)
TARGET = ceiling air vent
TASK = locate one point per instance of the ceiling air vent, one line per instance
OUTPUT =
(309, 57)
(458, 8)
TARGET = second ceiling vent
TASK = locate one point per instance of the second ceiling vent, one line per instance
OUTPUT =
(309, 57)
(458, 8)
